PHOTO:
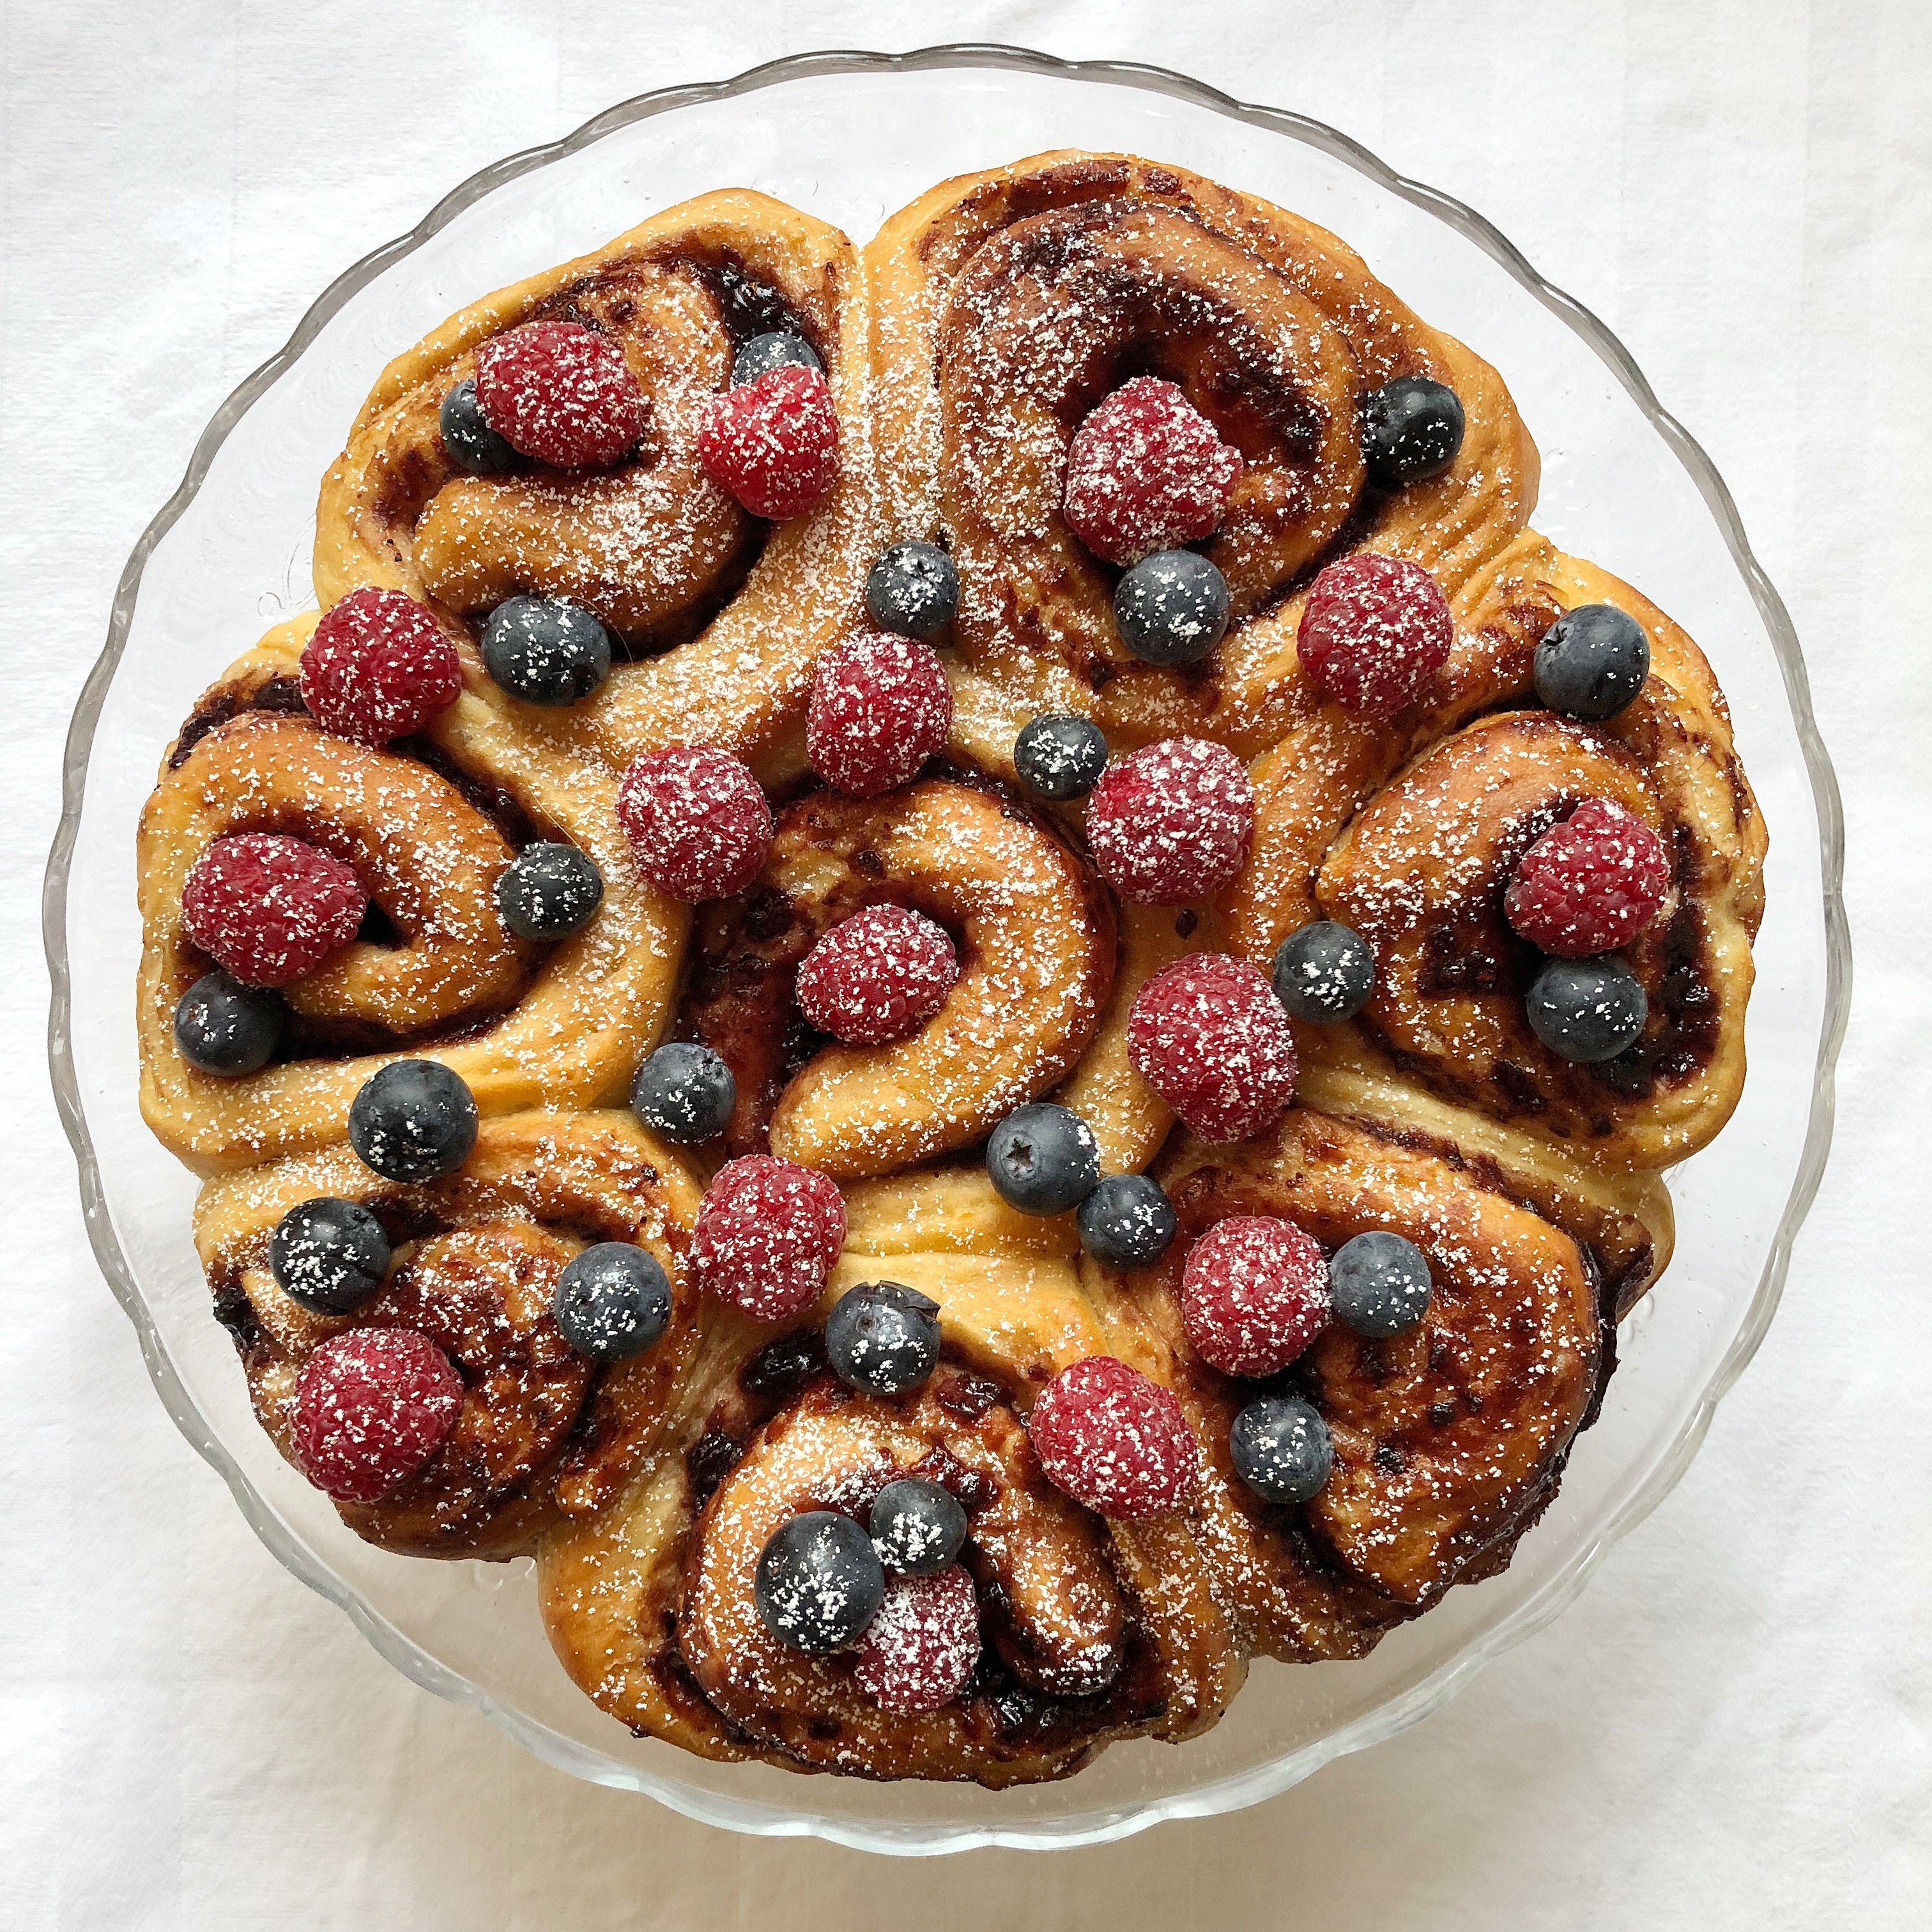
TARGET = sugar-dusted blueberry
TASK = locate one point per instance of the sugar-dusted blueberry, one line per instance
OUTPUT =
(882, 1338)
(612, 1301)
(819, 1581)
(918, 1527)
(224, 1027)
(1060, 756)
(413, 1120)
(1325, 973)
(472, 444)
(684, 1092)
(1412, 431)
(545, 651)
(1591, 661)
(1127, 1222)
(913, 590)
(1587, 1010)
(1281, 1448)
(1043, 1158)
(330, 1255)
(1171, 608)
(776, 349)
(549, 891)
(1379, 1283)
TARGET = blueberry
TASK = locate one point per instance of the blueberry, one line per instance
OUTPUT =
(612, 1301)
(819, 1581)
(1042, 1158)
(545, 651)
(1060, 757)
(330, 1255)
(1171, 608)
(918, 1527)
(1282, 1448)
(778, 348)
(913, 590)
(1587, 1010)
(549, 891)
(1325, 973)
(883, 1339)
(1127, 1222)
(224, 1027)
(1592, 661)
(1379, 1283)
(684, 1092)
(413, 1120)
(1412, 429)
(472, 444)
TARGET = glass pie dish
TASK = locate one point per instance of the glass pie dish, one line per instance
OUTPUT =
(1621, 484)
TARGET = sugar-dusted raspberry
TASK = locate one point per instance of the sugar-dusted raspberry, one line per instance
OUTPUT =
(1146, 472)
(269, 907)
(773, 443)
(767, 1234)
(379, 667)
(561, 393)
(1254, 1294)
(1173, 822)
(920, 1647)
(697, 820)
(1374, 632)
(1113, 1440)
(1209, 1037)
(881, 707)
(1590, 884)
(877, 975)
(372, 1407)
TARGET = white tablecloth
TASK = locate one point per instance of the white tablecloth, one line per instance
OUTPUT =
(1734, 1727)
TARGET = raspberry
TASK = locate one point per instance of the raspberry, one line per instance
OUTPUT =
(1113, 1440)
(773, 443)
(920, 1647)
(1146, 472)
(1173, 822)
(697, 820)
(1254, 1294)
(270, 908)
(880, 707)
(561, 393)
(1374, 632)
(1590, 884)
(877, 975)
(379, 667)
(767, 1234)
(1209, 1037)
(372, 1407)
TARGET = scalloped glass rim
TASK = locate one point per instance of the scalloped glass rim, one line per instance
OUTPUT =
(1414, 1701)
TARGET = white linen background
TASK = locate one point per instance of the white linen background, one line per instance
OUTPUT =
(1733, 1727)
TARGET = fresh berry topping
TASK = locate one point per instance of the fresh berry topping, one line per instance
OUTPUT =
(1325, 973)
(767, 1234)
(562, 394)
(472, 444)
(1254, 1294)
(773, 444)
(1171, 608)
(1374, 632)
(1209, 1037)
(776, 349)
(545, 651)
(379, 667)
(372, 1407)
(877, 976)
(881, 707)
(920, 1649)
(697, 820)
(1281, 1448)
(1043, 1158)
(1587, 1010)
(330, 1255)
(684, 1092)
(819, 1581)
(1173, 822)
(549, 891)
(223, 1026)
(1591, 661)
(270, 908)
(918, 1527)
(883, 1338)
(913, 590)
(1411, 430)
(1146, 472)
(412, 1121)
(1379, 1284)
(612, 1301)
(1590, 884)
(1060, 757)
(1113, 1440)
(1127, 1222)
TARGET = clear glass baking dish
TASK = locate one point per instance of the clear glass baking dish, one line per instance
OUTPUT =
(849, 137)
